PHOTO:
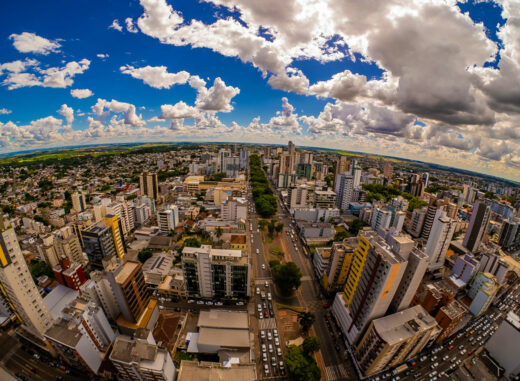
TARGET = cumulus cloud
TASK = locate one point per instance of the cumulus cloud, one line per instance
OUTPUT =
(4, 111)
(156, 76)
(130, 26)
(67, 112)
(81, 93)
(116, 26)
(130, 116)
(41, 131)
(18, 75)
(102, 55)
(31, 43)
(217, 97)
(179, 111)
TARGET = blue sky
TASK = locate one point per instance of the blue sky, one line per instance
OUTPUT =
(429, 80)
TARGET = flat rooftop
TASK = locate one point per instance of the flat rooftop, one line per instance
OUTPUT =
(210, 371)
(234, 338)
(127, 350)
(223, 319)
(127, 269)
(64, 332)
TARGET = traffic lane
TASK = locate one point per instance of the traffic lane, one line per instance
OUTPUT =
(24, 362)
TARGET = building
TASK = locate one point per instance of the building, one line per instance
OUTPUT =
(477, 228)
(99, 290)
(509, 233)
(448, 318)
(127, 283)
(338, 266)
(344, 190)
(439, 239)
(504, 345)
(299, 197)
(388, 171)
(372, 294)
(316, 232)
(82, 335)
(17, 285)
(168, 219)
(149, 185)
(417, 264)
(215, 273)
(219, 330)
(324, 198)
(234, 209)
(381, 218)
(417, 222)
(156, 269)
(231, 166)
(483, 289)
(141, 359)
(205, 370)
(63, 243)
(79, 202)
(392, 340)
(244, 157)
(124, 211)
(320, 260)
(103, 240)
(69, 274)
(495, 265)
(464, 269)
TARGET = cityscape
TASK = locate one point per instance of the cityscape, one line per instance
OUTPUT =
(237, 190)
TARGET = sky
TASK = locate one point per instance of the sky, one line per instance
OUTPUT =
(432, 80)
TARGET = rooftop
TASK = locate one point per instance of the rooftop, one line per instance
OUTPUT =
(223, 319)
(404, 324)
(453, 309)
(127, 350)
(210, 371)
(127, 269)
(64, 332)
(223, 337)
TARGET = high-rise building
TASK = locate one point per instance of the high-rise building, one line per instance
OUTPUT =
(99, 290)
(215, 273)
(149, 185)
(168, 219)
(324, 198)
(388, 170)
(478, 225)
(448, 317)
(412, 277)
(394, 339)
(17, 285)
(99, 243)
(222, 154)
(495, 265)
(504, 345)
(416, 222)
(128, 286)
(141, 359)
(291, 148)
(439, 239)
(114, 223)
(425, 177)
(376, 286)
(338, 266)
(244, 156)
(345, 190)
(483, 289)
(79, 202)
(464, 269)
(299, 197)
(124, 211)
(381, 218)
(509, 233)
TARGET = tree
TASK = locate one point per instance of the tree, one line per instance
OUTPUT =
(144, 255)
(218, 232)
(262, 223)
(39, 268)
(277, 250)
(355, 226)
(287, 277)
(270, 229)
(301, 366)
(274, 263)
(341, 235)
(310, 345)
(279, 227)
(191, 242)
(306, 320)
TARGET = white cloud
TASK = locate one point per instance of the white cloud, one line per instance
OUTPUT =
(61, 77)
(81, 93)
(217, 97)
(67, 112)
(31, 43)
(179, 111)
(4, 111)
(116, 26)
(156, 76)
(102, 55)
(130, 27)
(130, 116)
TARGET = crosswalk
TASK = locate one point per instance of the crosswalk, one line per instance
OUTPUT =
(269, 323)
(336, 372)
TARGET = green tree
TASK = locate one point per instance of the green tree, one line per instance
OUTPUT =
(263, 223)
(287, 277)
(355, 226)
(274, 263)
(341, 235)
(300, 366)
(218, 232)
(311, 344)
(490, 195)
(270, 229)
(306, 320)
(279, 227)
(191, 242)
(329, 179)
(277, 250)
(144, 255)
(39, 268)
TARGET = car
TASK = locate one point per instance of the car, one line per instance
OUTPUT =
(259, 306)
(269, 297)
(264, 357)
(277, 341)
(417, 376)
(32, 369)
(280, 364)
(209, 303)
(266, 314)
(463, 352)
(262, 334)
(471, 351)
(260, 316)
(271, 312)
(200, 302)
(453, 360)
(337, 348)
(434, 365)
(219, 303)
(269, 336)
(445, 358)
(278, 351)
(239, 303)
(264, 348)
(263, 266)
(266, 368)
(451, 347)
(461, 347)
(257, 251)
(266, 284)
(273, 361)
(36, 356)
(423, 358)
(258, 290)
(271, 348)
(264, 305)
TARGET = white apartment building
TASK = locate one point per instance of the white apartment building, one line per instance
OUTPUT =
(98, 290)
(234, 209)
(381, 218)
(168, 219)
(17, 285)
(439, 239)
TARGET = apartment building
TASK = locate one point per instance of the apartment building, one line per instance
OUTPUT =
(339, 262)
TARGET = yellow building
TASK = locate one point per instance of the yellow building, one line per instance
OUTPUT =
(356, 267)
(117, 233)
(338, 266)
